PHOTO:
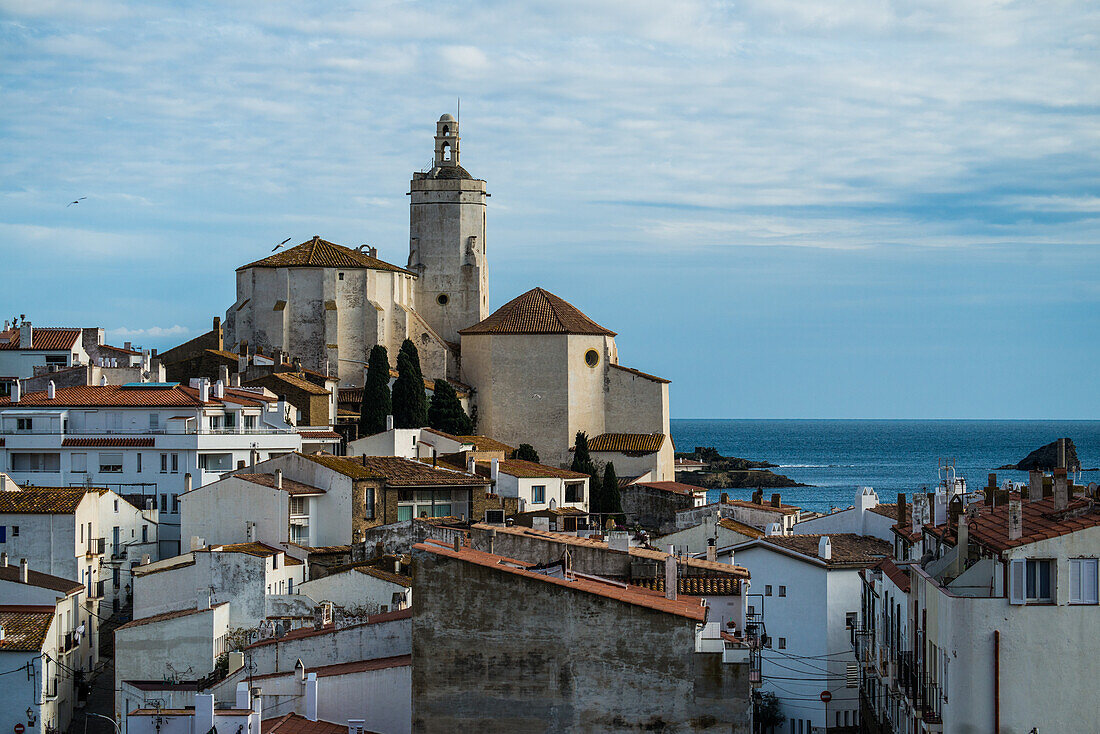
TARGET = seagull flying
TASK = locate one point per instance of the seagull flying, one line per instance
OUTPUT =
(276, 247)
(82, 198)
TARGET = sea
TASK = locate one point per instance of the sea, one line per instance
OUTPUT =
(892, 456)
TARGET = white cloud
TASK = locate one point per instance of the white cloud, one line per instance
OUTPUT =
(151, 332)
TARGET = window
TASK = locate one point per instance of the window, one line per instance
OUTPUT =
(340, 276)
(1029, 581)
(782, 590)
(768, 642)
(154, 421)
(368, 503)
(275, 561)
(442, 299)
(114, 419)
(850, 620)
(139, 463)
(538, 494)
(404, 513)
(116, 505)
(24, 424)
(230, 420)
(591, 358)
(144, 533)
(851, 671)
(163, 463)
(1082, 580)
(574, 492)
(175, 504)
(297, 506)
(164, 503)
(110, 463)
(15, 531)
(249, 422)
(782, 643)
(78, 463)
(175, 463)
(36, 463)
(767, 590)
(116, 576)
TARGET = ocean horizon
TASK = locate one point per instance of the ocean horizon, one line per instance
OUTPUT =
(892, 456)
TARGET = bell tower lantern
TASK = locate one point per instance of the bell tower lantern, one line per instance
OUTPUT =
(447, 239)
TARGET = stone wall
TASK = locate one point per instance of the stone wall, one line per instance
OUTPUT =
(653, 509)
(490, 655)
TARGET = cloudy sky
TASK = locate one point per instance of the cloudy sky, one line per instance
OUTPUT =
(791, 208)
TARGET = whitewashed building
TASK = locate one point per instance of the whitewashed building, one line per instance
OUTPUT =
(144, 440)
(866, 516)
(46, 630)
(807, 594)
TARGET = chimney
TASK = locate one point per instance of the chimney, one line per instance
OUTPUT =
(389, 422)
(670, 577)
(1061, 488)
(990, 490)
(920, 510)
(51, 390)
(257, 701)
(278, 479)
(1048, 486)
(471, 465)
(204, 712)
(311, 696)
(4, 560)
(712, 550)
(1061, 453)
(23, 570)
(235, 379)
(758, 497)
(127, 346)
(494, 472)
(775, 500)
(1034, 485)
(1015, 519)
(157, 371)
(457, 542)
(202, 602)
(26, 335)
(902, 520)
(223, 374)
(253, 457)
(15, 391)
(824, 548)
(725, 498)
(243, 696)
(961, 546)
(204, 390)
(187, 482)
(219, 388)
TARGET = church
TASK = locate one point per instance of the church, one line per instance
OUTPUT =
(538, 369)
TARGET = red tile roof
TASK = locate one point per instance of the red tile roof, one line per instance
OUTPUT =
(688, 607)
(848, 549)
(319, 253)
(1041, 522)
(640, 443)
(537, 312)
(139, 396)
(297, 724)
(290, 486)
(639, 373)
(41, 580)
(316, 435)
(25, 626)
(103, 442)
(42, 501)
(894, 573)
(45, 339)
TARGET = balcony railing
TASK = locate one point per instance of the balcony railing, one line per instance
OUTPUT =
(95, 591)
(96, 546)
(150, 432)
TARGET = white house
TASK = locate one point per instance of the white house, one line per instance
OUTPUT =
(719, 531)
(755, 513)
(204, 716)
(44, 630)
(807, 594)
(648, 455)
(866, 516)
(363, 586)
(141, 439)
(1003, 601)
(23, 348)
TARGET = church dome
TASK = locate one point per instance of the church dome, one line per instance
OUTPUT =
(537, 311)
(447, 118)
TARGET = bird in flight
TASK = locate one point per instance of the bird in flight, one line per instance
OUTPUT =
(82, 198)
(276, 247)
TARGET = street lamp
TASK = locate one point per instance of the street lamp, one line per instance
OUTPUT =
(108, 718)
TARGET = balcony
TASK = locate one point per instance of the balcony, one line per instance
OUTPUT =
(95, 591)
(68, 642)
(96, 546)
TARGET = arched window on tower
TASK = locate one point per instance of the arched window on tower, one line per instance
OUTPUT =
(446, 151)
(446, 130)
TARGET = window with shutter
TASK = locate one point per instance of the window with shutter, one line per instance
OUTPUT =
(1016, 580)
(1082, 581)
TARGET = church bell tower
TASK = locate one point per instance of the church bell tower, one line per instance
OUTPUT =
(447, 239)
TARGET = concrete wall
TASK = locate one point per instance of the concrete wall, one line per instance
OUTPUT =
(220, 512)
(486, 656)
(694, 539)
(354, 590)
(654, 509)
(636, 404)
(349, 644)
(858, 519)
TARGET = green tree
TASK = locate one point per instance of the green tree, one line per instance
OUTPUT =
(445, 412)
(526, 452)
(610, 498)
(375, 405)
(410, 406)
(582, 462)
(768, 711)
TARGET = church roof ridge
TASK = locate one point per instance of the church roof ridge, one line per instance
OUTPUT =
(319, 253)
(538, 311)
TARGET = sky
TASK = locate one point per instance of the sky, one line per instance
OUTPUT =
(790, 208)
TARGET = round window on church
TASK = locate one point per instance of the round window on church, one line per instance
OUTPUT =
(591, 358)
(442, 299)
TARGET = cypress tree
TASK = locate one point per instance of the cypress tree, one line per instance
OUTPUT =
(610, 498)
(410, 406)
(376, 404)
(445, 412)
(526, 452)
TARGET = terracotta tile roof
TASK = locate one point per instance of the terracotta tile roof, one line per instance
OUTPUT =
(25, 627)
(45, 339)
(42, 501)
(259, 550)
(395, 470)
(782, 509)
(484, 443)
(102, 442)
(695, 585)
(537, 312)
(674, 487)
(292, 379)
(1041, 522)
(689, 462)
(688, 607)
(886, 510)
(642, 443)
(41, 580)
(164, 616)
(312, 632)
(319, 253)
(120, 350)
(895, 574)
(290, 486)
(848, 549)
(318, 435)
(639, 373)
(525, 469)
(297, 724)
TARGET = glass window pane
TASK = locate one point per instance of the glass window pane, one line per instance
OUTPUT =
(441, 511)
(404, 512)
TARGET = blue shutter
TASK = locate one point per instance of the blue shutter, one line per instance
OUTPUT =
(3, 534)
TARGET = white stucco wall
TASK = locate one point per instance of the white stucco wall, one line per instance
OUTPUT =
(352, 589)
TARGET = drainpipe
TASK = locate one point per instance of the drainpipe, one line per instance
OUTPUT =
(996, 682)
